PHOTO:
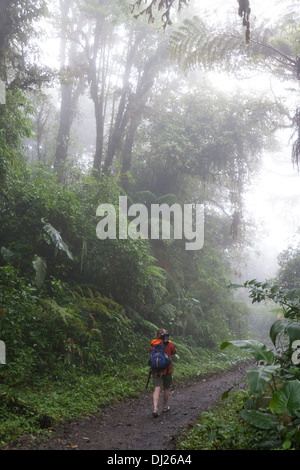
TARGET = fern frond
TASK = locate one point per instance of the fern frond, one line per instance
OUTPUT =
(195, 45)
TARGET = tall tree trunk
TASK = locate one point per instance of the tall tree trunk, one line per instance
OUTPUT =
(127, 151)
(6, 24)
(98, 105)
(137, 107)
(70, 93)
(96, 95)
(118, 127)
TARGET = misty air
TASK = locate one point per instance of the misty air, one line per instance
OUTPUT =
(149, 227)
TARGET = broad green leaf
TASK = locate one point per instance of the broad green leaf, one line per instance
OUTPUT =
(259, 419)
(57, 239)
(274, 289)
(253, 281)
(284, 325)
(286, 445)
(293, 330)
(258, 377)
(287, 399)
(277, 328)
(259, 350)
(226, 393)
(40, 266)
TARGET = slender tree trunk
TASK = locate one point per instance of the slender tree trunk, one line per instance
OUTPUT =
(136, 109)
(118, 128)
(127, 152)
(70, 93)
(96, 95)
(6, 27)
(98, 104)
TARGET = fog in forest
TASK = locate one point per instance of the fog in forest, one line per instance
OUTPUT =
(272, 198)
(149, 178)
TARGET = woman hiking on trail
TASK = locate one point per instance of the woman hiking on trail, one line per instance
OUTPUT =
(162, 377)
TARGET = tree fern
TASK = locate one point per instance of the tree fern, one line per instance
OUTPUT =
(195, 44)
(64, 313)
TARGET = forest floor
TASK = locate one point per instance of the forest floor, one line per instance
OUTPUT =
(129, 425)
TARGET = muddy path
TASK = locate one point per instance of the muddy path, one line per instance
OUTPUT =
(129, 425)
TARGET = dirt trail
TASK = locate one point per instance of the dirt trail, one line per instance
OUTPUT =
(129, 425)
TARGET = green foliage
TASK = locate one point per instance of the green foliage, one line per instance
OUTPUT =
(286, 400)
(55, 238)
(33, 337)
(286, 299)
(219, 428)
(259, 419)
(182, 148)
(257, 349)
(267, 415)
(274, 382)
(289, 267)
(14, 127)
(50, 236)
(32, 196)
(258, 378)
(51, 231)
(195, 44)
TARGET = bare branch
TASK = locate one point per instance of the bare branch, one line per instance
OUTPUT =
(165, 5)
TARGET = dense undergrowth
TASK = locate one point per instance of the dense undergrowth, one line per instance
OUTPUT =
(69, 354)
(222, 427)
